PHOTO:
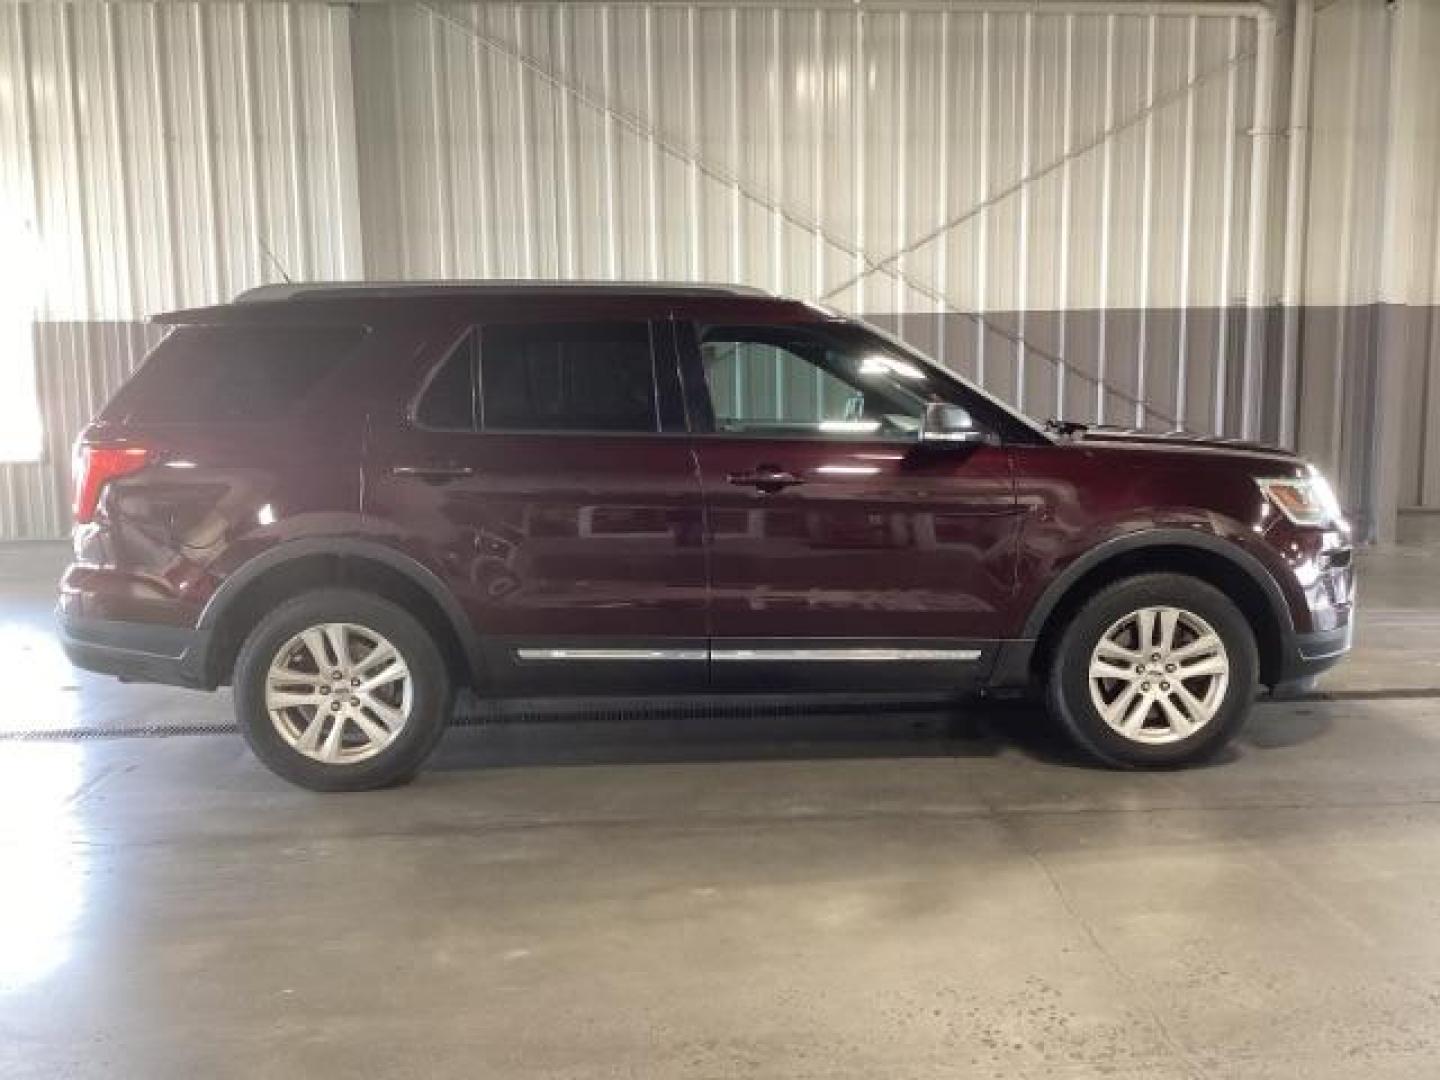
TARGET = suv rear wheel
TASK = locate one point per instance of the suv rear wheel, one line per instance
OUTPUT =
(340, 690)
(1154, 670)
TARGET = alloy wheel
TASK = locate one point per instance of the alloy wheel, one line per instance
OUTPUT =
(339, 693)
(1158, 675)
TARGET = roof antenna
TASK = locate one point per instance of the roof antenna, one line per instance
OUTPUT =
(265, 248)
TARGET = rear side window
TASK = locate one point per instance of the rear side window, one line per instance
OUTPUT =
(213, 374)
(582, 377)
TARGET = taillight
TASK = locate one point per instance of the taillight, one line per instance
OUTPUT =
(95, 465)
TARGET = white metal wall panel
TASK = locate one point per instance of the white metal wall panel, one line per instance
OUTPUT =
(164, 155)
(1414, 280)
(1371, 280)
(902, 164)
(804, 146)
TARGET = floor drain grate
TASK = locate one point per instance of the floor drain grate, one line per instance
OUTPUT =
(159, 731)
(472, 715)
(1416, 694)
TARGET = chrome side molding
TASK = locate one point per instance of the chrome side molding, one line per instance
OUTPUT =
(611, 654)
(844, 654)
(777, 655)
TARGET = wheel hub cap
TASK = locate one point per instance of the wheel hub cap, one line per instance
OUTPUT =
(305, 693)
(1159, 675)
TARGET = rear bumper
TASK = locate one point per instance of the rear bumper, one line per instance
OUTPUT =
(135, 652)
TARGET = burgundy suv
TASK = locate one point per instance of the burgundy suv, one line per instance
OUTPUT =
(350, 500)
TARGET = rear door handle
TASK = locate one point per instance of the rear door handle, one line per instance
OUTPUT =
(766, 478)
(434, 472)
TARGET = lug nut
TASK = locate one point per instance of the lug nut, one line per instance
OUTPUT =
(1145, 686)
(1139, 669)
(1155, 656)
(1170, 669)
(324, 689)
(1164, 686)
(354, 701)
(354, 682)
(334, 706)
(336, 674)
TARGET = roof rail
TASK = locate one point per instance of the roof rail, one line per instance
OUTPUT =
(337, 289)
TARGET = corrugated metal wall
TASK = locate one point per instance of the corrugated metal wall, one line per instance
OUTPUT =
(910, 165)
(1369, 387)
(165, 155)
(1085, 181)
(1415, 280)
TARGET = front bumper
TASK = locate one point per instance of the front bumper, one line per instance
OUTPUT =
(135, 652)
(1308, 655)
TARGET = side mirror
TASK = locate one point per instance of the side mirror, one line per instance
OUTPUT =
(949, 424)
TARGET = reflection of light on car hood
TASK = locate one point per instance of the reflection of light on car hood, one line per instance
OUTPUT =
(43, 849)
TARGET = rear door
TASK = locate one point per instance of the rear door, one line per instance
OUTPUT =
(843, 553)
(545, 471)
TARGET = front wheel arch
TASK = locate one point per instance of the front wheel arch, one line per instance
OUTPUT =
(1252, 588)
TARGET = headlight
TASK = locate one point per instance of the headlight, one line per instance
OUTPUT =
(1307, 500)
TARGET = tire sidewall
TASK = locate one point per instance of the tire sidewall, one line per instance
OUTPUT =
(430, 703)
(1069, 683)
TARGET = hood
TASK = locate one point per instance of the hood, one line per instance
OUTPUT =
(1179, 441)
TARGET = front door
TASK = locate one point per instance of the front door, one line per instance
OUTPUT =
(843, 552)
(544, 473)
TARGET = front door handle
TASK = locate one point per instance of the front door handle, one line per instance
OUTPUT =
(766, 478)
(434, 472)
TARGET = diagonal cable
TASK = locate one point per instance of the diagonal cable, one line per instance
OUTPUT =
(644, 130)
(886, 264)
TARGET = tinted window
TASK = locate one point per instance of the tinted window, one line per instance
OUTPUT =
(212, 374)
(448, 403)
(592, 377)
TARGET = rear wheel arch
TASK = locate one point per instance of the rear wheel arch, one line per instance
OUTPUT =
(318, 563)
(1207, 558)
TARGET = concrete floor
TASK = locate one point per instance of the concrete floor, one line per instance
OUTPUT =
(885, 895)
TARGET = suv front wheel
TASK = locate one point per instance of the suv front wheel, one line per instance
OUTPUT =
(341, 690)
(1154, 670)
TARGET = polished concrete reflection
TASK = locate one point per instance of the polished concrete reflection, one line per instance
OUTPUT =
(897, 894)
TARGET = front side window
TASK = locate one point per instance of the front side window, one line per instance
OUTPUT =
(596, 377)
(797, 381)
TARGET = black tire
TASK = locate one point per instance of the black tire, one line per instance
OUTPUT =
(430, 704)
(1068, 689)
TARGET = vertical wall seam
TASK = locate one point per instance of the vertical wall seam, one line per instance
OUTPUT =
(1067, 135)
(1022, 273)
(982, 245)
(1147, 202)
(1106, 179)
(1187, 225)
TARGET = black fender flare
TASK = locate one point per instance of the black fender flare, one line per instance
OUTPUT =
(343, 548)
(1012, 667)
